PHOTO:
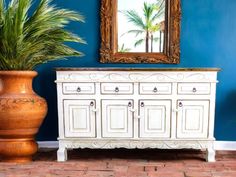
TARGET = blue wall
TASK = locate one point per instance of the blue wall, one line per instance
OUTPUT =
(208, 39)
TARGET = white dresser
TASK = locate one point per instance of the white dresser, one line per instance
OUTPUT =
(110, 108)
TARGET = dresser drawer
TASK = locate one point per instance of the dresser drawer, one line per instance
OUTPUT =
(78, 88)
(154, 88)
(117, 88)
(194, 88)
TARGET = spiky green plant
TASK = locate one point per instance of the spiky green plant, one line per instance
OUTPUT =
(27, 41)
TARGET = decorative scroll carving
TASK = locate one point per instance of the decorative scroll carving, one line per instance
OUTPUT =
(108, 38)
(139, 77)
(129, 144)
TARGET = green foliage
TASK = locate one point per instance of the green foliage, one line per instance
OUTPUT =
(27, 41)
(122, 49)
(146, 23)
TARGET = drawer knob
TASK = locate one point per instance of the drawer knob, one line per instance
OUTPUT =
(117, 89)
(194, 90)
(91, 103)
(129, 104)
(180, 104)
(155, 90)
(78, 89)
(142, 104)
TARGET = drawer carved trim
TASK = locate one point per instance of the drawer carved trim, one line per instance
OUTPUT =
(139, 77)
(112, 144)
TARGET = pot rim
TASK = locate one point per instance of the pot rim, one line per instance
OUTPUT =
(18, 72)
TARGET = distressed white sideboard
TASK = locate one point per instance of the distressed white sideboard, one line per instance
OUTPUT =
(171, 108)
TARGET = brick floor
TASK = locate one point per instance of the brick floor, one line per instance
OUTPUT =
(124, 163)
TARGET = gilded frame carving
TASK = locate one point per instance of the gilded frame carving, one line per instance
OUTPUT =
(108, 50)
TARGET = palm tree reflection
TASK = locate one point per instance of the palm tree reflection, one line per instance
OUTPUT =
(147, 24)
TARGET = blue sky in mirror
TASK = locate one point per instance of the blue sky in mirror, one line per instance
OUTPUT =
(128, 40)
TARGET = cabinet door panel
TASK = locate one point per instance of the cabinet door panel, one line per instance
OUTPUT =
(155, 116)
(79, 118)
(117, 119)
(192, 119)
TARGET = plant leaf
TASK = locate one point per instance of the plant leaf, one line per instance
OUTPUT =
(26, 42)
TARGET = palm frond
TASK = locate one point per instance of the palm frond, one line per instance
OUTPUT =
(136, 32)
(155, 28)
(138, 42)
(159, 10)
(2, 8)
(122, 49)
(134, 18)
(156, 39)
(28, 41)
(148, 10)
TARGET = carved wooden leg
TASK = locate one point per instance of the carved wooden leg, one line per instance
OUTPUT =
(62, 154)
(210, 155)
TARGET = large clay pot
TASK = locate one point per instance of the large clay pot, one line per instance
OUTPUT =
(21, 113)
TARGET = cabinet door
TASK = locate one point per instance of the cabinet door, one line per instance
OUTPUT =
(79, 118)
(117, 118)
(192, 119)
(155, 116)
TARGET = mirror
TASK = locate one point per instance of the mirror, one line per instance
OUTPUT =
(140, 31)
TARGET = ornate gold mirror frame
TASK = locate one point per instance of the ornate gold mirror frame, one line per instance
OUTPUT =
(109, 50)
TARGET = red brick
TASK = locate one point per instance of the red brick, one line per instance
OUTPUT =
(165, 174)
(198, 174)
(151, 163)
(136, 168)
(120, 168)
(150, 168)
(224, 174)
(136, 174)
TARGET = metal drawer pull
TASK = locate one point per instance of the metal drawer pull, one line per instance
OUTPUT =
(180, 104)
(142, 104)
(78, 89)
(194, 90)
(129, 104)
(117, 89)
(91, 103)
(180, 107)
(155, 90)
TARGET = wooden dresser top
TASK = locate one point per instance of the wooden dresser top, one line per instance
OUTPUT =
(136, 69)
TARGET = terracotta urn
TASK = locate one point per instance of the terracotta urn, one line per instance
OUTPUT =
(22, 112)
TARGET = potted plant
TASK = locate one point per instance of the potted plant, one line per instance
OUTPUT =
(25, 42)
